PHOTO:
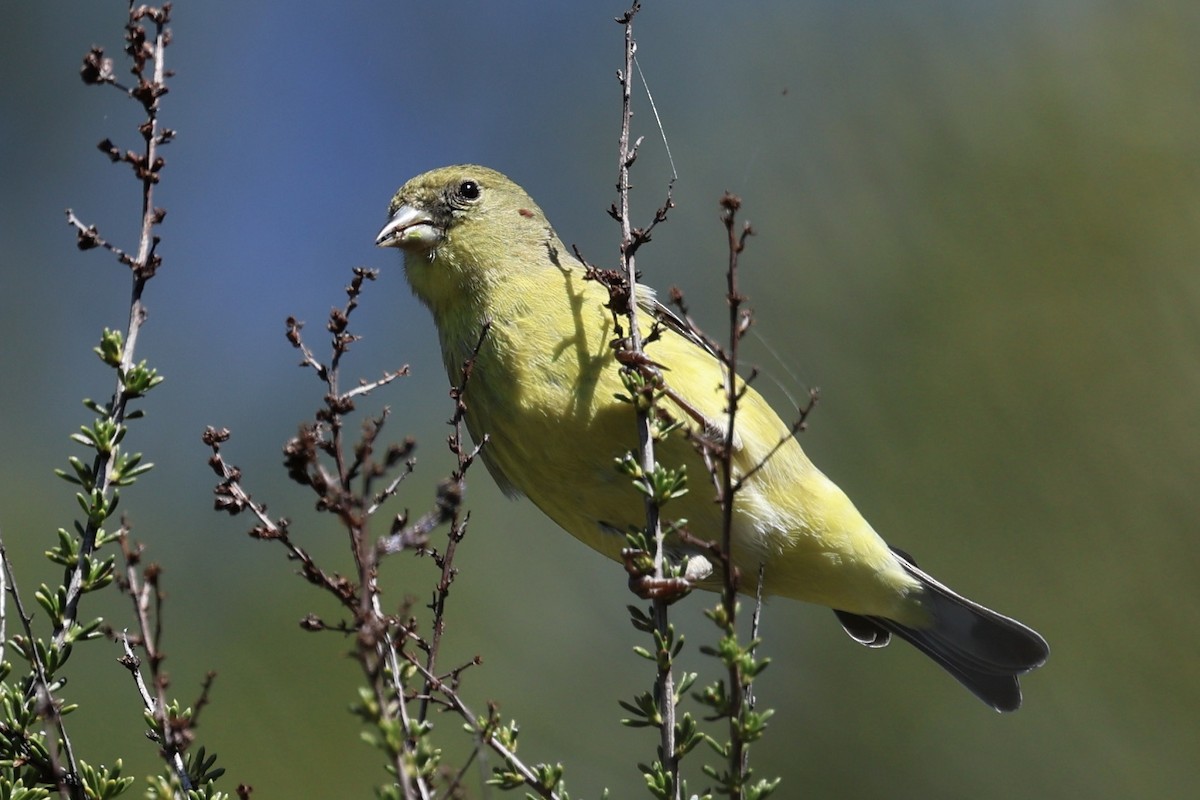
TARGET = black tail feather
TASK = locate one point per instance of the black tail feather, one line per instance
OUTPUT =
(984, 651)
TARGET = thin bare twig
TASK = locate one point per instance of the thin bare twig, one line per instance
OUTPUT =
(456, 703)
(631, 240)
(799, 425)
(3, 594)
(234, 499)
(727, 496)
(457, 527)
(143, 589)
(68, 783)
(156, 709)
(346, 480)
(145, 263)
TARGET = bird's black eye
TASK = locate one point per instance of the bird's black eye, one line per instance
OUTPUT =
(469, 190)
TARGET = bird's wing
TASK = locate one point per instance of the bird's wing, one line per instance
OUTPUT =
(506, 486)
(711, 427)
(648, 301)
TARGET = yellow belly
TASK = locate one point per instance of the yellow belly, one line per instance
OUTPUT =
(542, 390)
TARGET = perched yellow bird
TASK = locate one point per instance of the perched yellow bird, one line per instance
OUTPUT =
(478, 250)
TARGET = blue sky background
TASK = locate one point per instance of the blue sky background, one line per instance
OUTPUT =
(978, 226)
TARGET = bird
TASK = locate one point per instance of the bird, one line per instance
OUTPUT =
(507, 294)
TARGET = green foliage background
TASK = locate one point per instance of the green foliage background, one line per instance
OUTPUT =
(978, 227)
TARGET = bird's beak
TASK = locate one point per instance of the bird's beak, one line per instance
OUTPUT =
(410, 228)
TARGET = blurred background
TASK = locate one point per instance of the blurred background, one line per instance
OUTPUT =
(977, 232)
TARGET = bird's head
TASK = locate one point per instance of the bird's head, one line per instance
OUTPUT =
(462, 230)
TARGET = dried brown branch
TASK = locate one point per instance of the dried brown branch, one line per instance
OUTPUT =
(146, 47)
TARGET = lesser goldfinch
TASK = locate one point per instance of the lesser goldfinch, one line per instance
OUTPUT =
(543, 389)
